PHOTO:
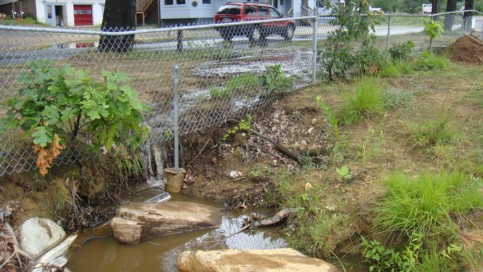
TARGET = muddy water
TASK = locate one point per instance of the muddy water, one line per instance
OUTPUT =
(101, 251)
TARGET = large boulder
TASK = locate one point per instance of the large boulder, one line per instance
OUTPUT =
(37, 235)
(138, 221)
(282, 259)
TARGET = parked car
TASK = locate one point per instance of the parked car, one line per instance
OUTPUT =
(239, 12)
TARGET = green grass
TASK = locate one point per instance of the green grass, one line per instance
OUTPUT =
(426, 204)
(364, 101)
(23, 22)
(427, 61)
(237, 84)
(431, 133)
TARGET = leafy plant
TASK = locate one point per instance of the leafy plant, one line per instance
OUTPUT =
(433, 29)
(382, 259)
(365, 101)
(343, 172)
(56, 105)
(243, 125)
(273, 78)
(402, 51)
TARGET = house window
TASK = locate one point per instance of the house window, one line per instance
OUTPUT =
(49, 12)
(180, 2)
(281, 2)
(168, 2)
(206, 2)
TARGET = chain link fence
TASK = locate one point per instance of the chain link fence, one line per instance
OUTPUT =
(225, 71)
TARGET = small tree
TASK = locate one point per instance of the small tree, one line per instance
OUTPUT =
(434, 29)
(57, 105)
(339, 56)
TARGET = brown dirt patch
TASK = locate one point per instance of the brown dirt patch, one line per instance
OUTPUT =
(467, 49)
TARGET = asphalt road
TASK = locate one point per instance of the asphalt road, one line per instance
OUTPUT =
(302, 33)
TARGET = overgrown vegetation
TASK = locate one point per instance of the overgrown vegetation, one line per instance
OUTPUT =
(430, 204)
(58, 106)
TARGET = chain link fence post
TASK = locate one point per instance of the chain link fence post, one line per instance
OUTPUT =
(388, 39)
(175, 111)
(314, 50)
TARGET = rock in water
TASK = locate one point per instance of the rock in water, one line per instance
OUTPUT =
(281, 259)
(138, 221)
(37, 235)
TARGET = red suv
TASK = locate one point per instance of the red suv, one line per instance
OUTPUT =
(238, 12)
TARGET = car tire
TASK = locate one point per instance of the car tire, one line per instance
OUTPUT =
(289, 32)
(255, 35)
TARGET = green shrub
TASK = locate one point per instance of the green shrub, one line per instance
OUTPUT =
(430, 133)
(404, 67)
(274, 79)
(56, 105)
(365, 101)
(424, 204)
(402, 51)
(395, 99)
(427, 61)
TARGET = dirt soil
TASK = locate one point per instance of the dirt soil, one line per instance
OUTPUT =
(467, 49)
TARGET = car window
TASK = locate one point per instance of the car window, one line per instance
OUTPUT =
(263, 11)
(250, 10)
(274, 13)
(229, 10)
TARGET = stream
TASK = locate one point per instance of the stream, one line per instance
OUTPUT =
(100, 251)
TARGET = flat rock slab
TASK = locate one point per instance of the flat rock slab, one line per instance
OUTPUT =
(139, 221)
(282, 259)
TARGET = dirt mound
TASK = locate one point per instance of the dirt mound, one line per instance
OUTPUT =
(467, 49)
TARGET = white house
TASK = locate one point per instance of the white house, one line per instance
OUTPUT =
(184, 11)
(68, 13)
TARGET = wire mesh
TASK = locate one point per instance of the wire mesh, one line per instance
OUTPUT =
(224, 68)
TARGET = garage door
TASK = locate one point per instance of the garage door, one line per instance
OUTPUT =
(82, 15)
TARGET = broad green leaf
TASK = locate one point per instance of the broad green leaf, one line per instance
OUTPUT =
(42, 136)
(51, 114)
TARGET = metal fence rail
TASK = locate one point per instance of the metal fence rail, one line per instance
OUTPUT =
(219, 68)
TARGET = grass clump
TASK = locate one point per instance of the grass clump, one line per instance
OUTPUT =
(424, 204)
(431, 133)
(366, 100)
(427, 61)
(236, 85)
